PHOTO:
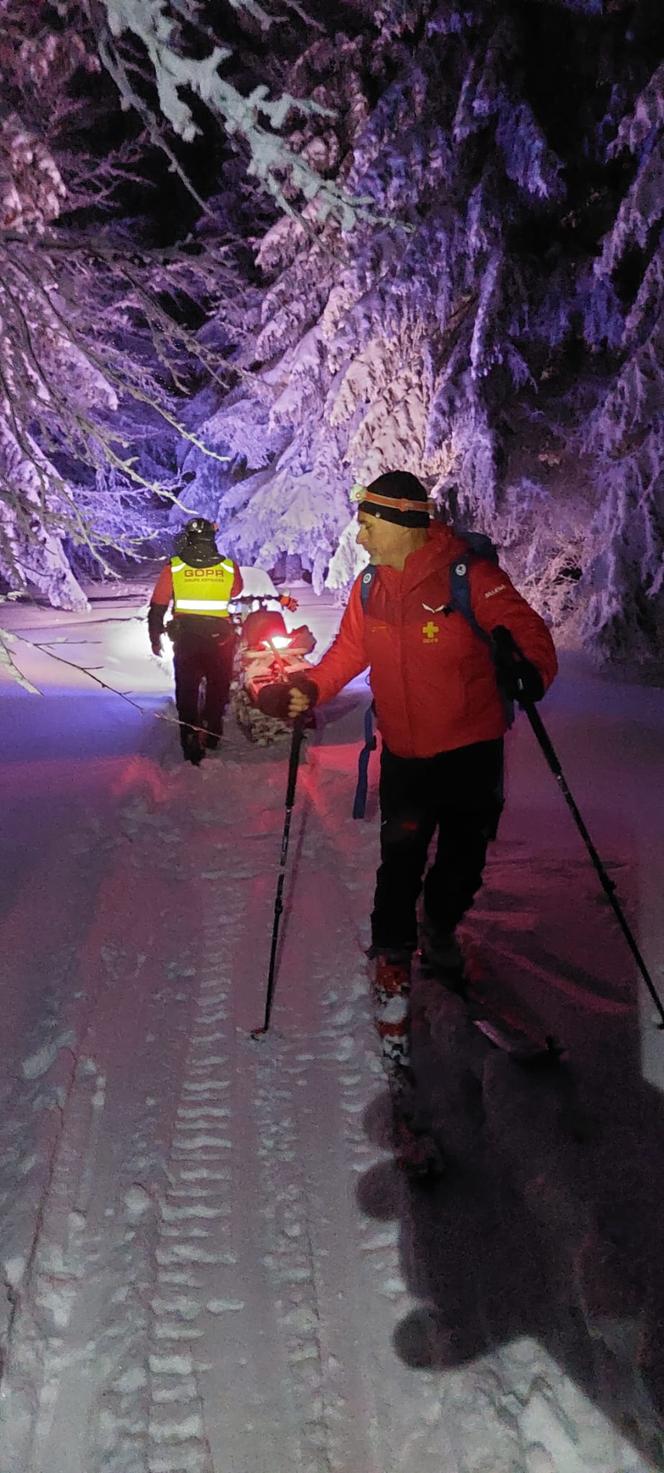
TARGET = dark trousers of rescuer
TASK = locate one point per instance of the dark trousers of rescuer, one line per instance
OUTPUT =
(459, 794)
(203, 649)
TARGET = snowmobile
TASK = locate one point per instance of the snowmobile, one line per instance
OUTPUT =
(267, 652)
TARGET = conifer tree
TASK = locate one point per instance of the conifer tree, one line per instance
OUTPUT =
(493, 325)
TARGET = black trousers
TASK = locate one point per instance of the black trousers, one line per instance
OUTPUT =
(457, 793)
(202, 653)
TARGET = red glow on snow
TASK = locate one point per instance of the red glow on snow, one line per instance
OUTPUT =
(141, 774)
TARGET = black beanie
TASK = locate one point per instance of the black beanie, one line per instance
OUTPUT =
(398, 487)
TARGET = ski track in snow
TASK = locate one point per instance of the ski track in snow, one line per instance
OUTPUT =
(209, 1261)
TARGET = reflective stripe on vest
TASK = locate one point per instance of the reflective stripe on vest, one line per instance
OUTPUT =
(202, 590)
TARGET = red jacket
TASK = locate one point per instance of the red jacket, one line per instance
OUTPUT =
(432, 678)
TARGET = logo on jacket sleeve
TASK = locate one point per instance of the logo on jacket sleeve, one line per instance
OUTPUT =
(430, 632)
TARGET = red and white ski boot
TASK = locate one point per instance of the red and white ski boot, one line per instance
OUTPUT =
(416, 1152)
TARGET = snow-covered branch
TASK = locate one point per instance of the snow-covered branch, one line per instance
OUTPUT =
(255, 117)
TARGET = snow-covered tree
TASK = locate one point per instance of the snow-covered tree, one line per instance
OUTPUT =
(626, 433)
(31, 196)
(455, 212)
(97, 356)
(477, 329)
(182, 51)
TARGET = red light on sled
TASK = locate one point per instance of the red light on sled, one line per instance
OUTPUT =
(278, 642)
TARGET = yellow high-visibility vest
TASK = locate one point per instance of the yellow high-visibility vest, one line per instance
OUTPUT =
(202, 590)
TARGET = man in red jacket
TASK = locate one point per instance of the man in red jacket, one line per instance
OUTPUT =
(200, 582)
(442, 718)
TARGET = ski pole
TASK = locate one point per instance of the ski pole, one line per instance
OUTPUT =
(510, 665)
(607, 884)
(296, 743)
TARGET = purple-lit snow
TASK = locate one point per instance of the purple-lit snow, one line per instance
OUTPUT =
(209, 1262)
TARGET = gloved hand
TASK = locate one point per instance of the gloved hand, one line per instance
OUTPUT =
(157, 645)
(288, 602)
(279, 699)
(303, 695)
(518, 678)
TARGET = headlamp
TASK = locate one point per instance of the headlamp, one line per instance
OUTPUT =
(392, 503)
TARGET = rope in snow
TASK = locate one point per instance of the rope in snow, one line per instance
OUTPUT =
(122, 695)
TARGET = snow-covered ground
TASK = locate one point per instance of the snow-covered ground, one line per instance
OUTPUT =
(209, 1263)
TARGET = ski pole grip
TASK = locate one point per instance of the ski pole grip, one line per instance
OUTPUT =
(274, 699)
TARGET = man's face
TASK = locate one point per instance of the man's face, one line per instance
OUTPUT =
(382, 540)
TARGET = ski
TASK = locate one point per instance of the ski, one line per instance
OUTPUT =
(525, 1044)
(502, 1020)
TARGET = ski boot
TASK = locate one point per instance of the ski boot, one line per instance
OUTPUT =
(210, 739)
(441, 957)
(416, 1152)
(192, 751)
(391, 998)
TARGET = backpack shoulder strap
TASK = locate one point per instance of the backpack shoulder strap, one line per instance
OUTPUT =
(370, 744)
(461, 602)
(460, 599)
(366, 584)
(360, 802)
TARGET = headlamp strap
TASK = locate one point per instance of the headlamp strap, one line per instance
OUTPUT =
(362, 495)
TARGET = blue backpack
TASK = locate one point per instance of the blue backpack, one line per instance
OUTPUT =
(479, 546)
